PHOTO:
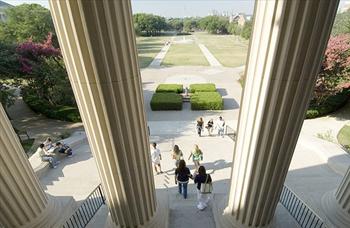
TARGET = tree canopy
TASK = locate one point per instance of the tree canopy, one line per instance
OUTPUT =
(341, 24)
(149, 23)
(26, 21)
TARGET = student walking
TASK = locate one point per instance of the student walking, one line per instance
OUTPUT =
(182, 175)
(199, 179)
(199, 126)
(210, 126)
(156, 157)
(176, 155)
(197, 156)
(220, 124)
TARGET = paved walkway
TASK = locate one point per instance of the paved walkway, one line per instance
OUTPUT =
(310, 176)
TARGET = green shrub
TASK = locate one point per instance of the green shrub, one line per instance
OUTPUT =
(166, 101)
(169, 88)
(205, 87)
(332, 104)
(59, 112)
(207, 101)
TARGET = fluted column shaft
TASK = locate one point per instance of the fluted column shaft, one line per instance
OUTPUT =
(286, 48)
(22, 199)
(99, 48)
(336, 204)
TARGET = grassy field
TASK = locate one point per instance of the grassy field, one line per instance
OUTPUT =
(149, 47)
(344, 137)
(226, 49)
(184, 55)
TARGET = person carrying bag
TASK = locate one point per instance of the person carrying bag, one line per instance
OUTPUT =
(204, 187)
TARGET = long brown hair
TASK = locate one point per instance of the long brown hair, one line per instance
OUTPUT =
(182, 166)
(201, 170)
(176, 149)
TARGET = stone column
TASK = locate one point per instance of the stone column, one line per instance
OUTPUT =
(22, 199)
(286, 48)
(336, 204)
(97, 39)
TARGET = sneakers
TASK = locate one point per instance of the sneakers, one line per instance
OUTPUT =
(71, 155)
(55, 167)
(58, 162)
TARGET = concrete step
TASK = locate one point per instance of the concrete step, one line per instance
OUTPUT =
(185, 214)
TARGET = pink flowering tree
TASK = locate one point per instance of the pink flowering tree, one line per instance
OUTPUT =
(334, 77)
(43, 70)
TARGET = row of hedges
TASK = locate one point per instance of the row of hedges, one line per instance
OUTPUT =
(203, 97)
(59, 112)
(333, 103)
(169, 88)
(166, 101)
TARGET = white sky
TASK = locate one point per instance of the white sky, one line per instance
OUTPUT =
(177, 8)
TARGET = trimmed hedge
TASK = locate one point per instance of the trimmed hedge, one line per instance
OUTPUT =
(166, 101)
(59, 112)
(205, 87)
(332, 104)
(169, 88)
(207, 101)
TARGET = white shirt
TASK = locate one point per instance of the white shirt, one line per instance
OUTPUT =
(155, 155)
(220, 123)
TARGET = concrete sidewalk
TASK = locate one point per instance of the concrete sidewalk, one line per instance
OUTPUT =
(310, 176)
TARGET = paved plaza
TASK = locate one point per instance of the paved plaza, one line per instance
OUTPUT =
(317, 167)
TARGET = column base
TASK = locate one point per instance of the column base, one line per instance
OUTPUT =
(335, 215)
(159, 219)
(224, 219)
(49, 216)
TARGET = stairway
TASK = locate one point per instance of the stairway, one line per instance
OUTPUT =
(184, 213)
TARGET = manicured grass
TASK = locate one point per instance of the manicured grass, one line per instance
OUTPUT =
(149, 47)
(344, 137)
(184, 55)
(226, 49)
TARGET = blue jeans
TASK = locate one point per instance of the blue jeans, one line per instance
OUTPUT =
(184, 185)
(69, 152)
(52, 160)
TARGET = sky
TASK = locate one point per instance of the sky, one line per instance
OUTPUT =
(177, 8)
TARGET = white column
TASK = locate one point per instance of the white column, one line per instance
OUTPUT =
(286, 49)
(99, 48)
(336, 204)
(22, 199)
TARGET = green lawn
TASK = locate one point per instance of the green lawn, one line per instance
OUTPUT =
(344, 137)
(149, 47)
(184, 55)
(226, 49)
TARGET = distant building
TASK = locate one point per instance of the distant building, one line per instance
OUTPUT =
(2, 6)
(240, 18)
(345, 7)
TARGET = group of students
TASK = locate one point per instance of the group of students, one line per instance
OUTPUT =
(47, 150)
(182, 172)
(219, 125)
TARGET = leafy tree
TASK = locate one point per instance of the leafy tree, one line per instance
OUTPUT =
(341, 24)
(8, 66)
(176, 23)
(234, 29)
(334, 77)
(43, 70)
(149, 23)
(191, 24)
(26, 21)
(246, 30)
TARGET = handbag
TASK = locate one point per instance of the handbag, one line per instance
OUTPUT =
(206, 188)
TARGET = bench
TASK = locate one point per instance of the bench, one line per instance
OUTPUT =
(40, 167)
